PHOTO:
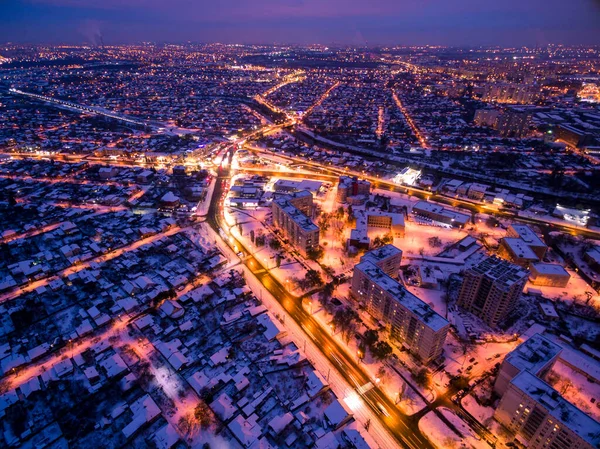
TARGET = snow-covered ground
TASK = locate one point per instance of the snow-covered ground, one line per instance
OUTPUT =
(483, 355)
(442, 437)
(575, 388)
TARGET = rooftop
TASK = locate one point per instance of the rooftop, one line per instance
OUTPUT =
(549, 268)
(379, 254)
(527, 235)
(501, 271)
(533, 354)
(520, 248)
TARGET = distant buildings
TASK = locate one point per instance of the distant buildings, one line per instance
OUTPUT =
(491, 289)
(509, 122)
(573, 136)
(514, 122)
(291, 214)
(510, 93)
(409, 320)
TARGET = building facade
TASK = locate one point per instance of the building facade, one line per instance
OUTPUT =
(435, 212)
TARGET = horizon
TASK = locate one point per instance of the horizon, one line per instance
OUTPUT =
(303, 22)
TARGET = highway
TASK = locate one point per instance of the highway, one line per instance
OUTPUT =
(403, 428)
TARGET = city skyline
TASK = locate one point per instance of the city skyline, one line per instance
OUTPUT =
(299, 224)
(464, 23)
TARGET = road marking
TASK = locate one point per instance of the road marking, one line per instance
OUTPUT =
(364, 388)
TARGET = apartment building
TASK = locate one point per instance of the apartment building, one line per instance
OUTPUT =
(291, 214)
(542, 419)
(352, 190)
(491, 289)
(410, 321)
(537, 355)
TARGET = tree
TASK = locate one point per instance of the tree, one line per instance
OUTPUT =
(275, 244)
(492, 222)
(435, 242)
(381, 350)
(187, 423)
(381, 374)
(325, 295)
(324, 222)
(345, 320)
(422, 378)
(313, 278)
(203, 415)
(315, 253)
(370, 337)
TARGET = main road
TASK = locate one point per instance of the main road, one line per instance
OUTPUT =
(404, 429)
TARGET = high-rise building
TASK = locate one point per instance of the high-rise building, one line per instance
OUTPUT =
(514, 122)
(409, 320)
(491, 289)
(291, 214)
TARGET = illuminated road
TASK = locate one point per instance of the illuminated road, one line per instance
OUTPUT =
(410, 121)
(321, 99)
(403, 428)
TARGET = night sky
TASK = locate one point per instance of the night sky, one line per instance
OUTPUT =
(354, 22)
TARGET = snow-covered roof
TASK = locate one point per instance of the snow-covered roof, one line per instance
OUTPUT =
(549, 269)
(246, 431)
(144, 410)
(534, 354)
(315, 382)
(279, 423)
(272, 328)
(335, 413)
